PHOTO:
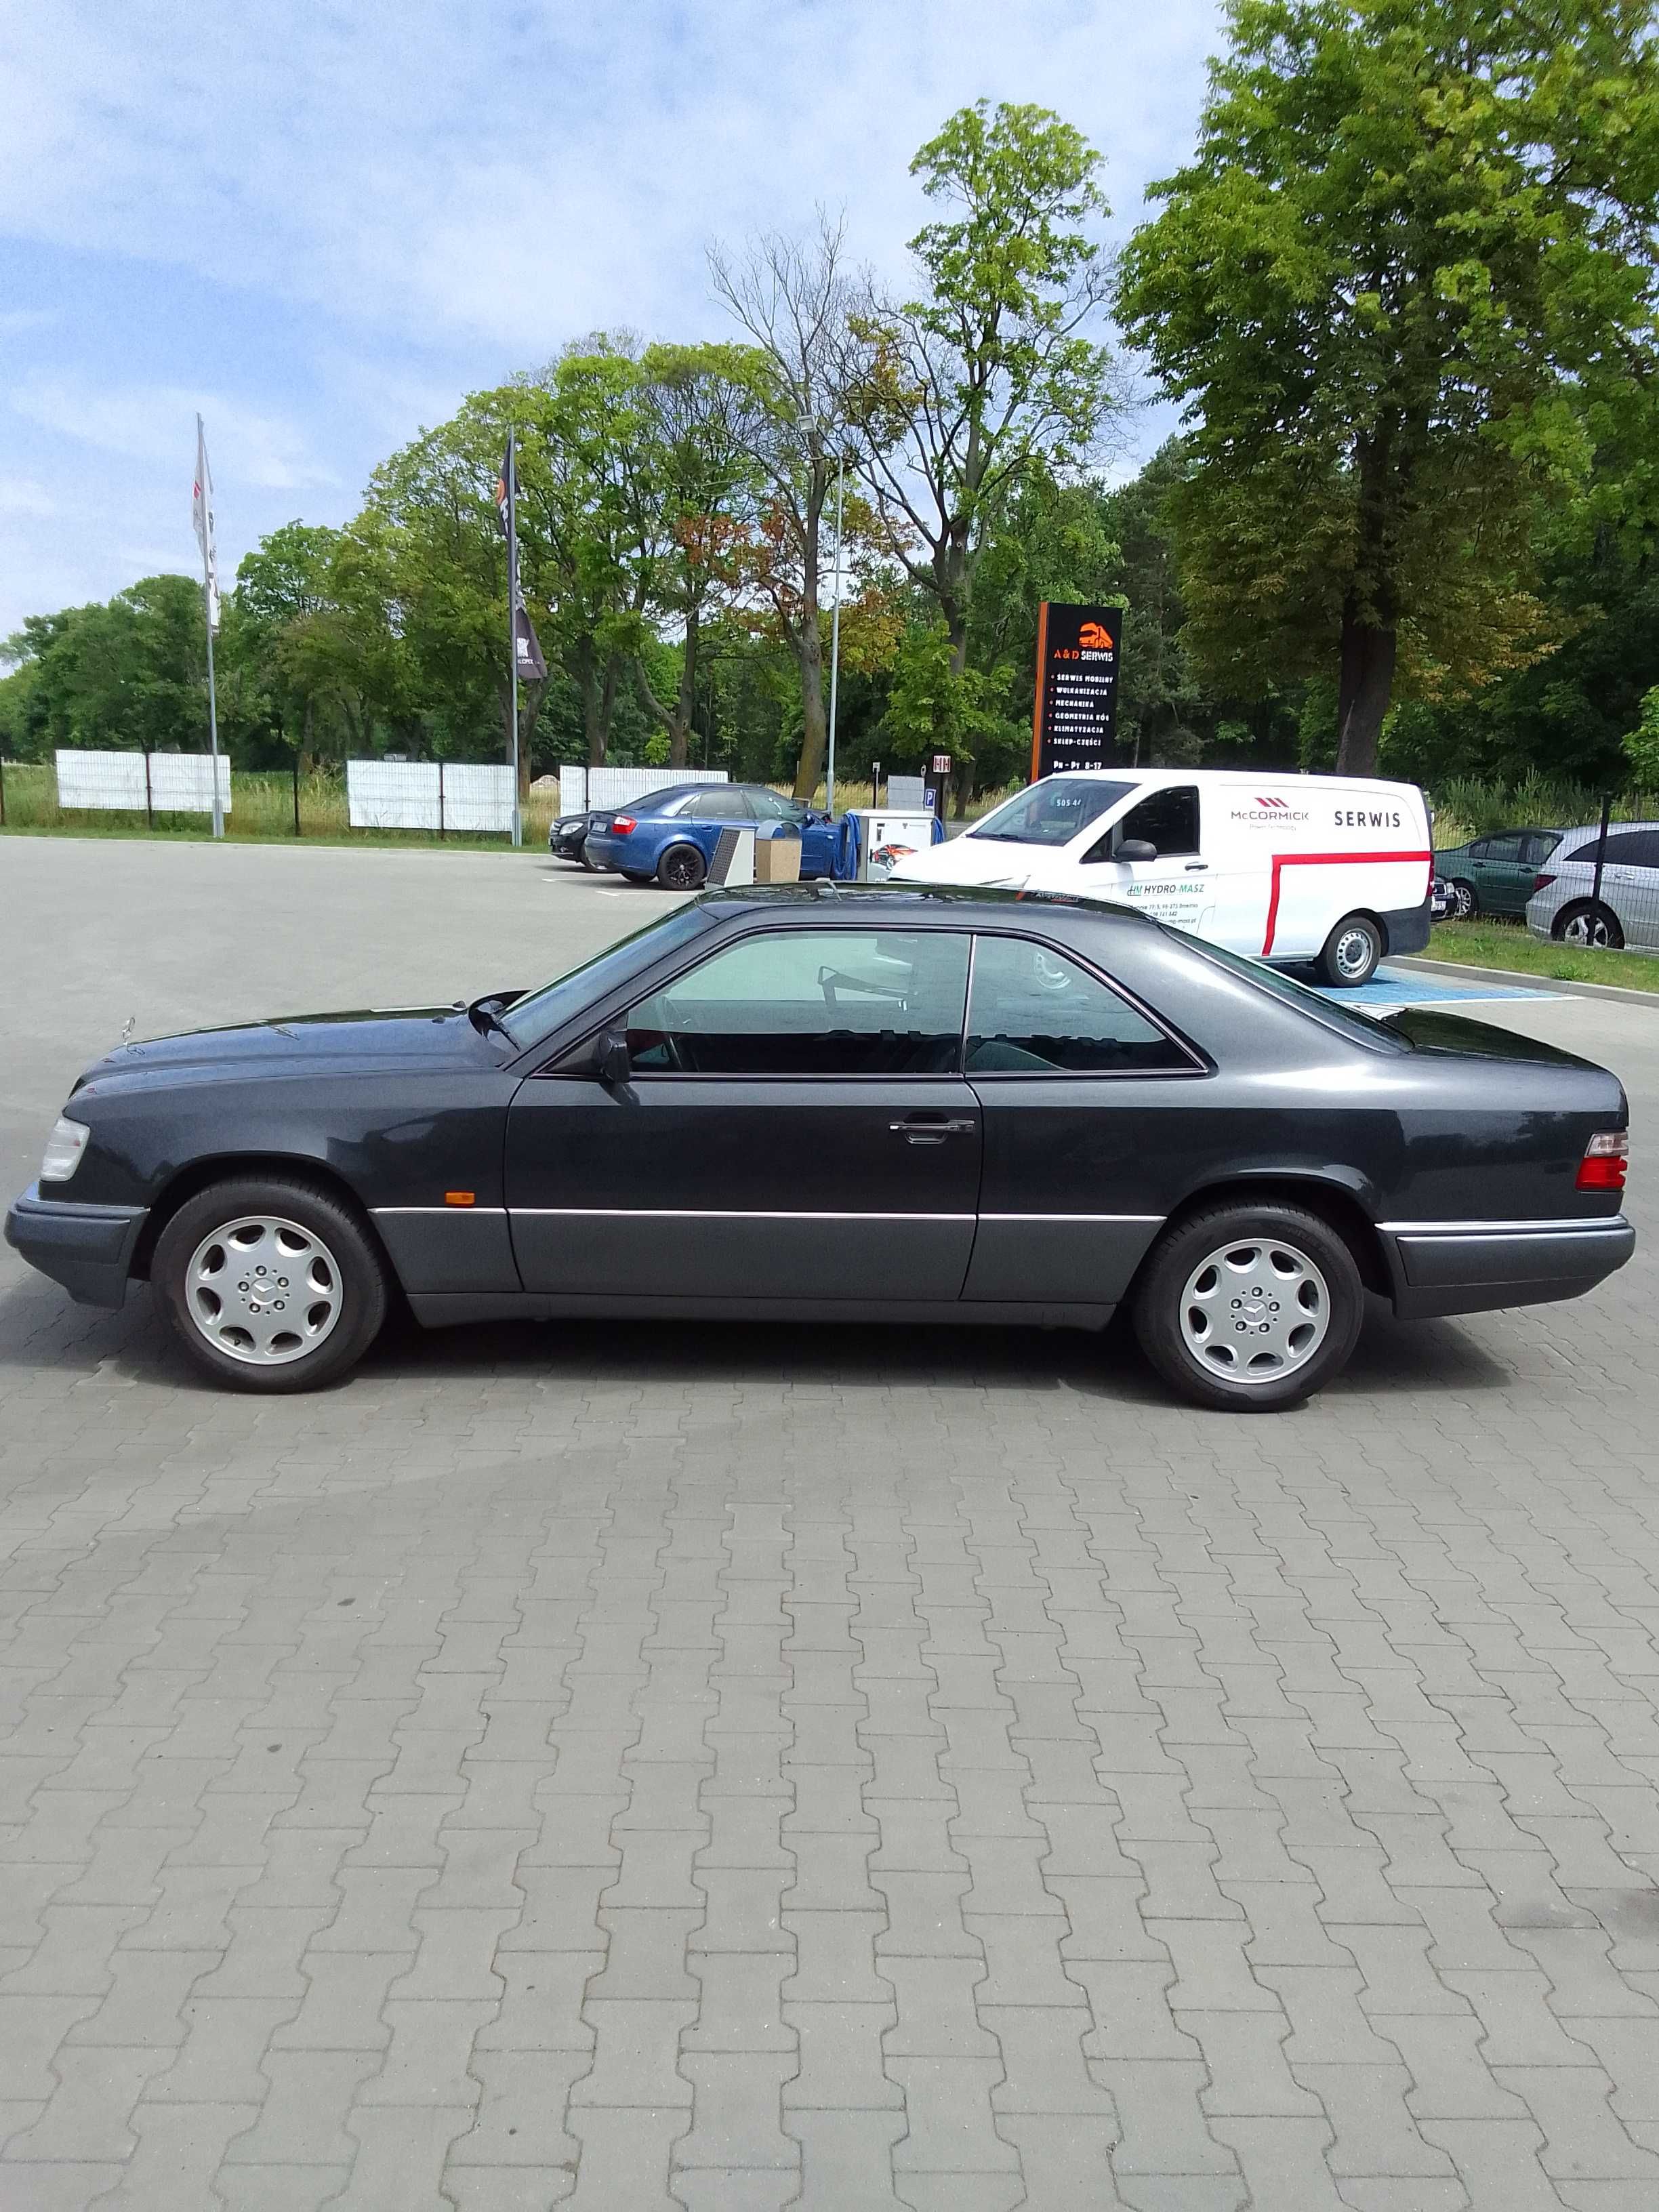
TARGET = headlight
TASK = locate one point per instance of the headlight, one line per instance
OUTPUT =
(64, 1149)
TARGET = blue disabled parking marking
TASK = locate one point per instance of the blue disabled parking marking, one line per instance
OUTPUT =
(1393, 987)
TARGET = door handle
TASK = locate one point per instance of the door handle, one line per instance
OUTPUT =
(933, 1128)
(1196, 868)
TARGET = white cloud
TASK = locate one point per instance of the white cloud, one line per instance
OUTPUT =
(157, 423)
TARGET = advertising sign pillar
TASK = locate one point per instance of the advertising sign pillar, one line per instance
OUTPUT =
(1074, 718)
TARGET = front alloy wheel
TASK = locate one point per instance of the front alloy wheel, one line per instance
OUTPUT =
(271, 1285)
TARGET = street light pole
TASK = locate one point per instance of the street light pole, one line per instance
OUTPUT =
(835, 641)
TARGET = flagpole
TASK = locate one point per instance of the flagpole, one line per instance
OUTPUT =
(207, 611)
(512, 616)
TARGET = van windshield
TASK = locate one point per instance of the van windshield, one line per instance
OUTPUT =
(1052, 812)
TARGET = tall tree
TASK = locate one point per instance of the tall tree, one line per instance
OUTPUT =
(702, 481)
(797, 301)
(990, 378)
(1411, 261)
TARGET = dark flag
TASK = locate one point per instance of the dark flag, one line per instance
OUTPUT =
(527, 656)
(526, 647)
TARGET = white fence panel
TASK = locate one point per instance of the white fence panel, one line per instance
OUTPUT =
(460, 795)
(392, 795)
(182, 783)
(179, 783)
(477, 797)
(582, 788)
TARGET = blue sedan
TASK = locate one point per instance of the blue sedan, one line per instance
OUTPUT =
(671, 834)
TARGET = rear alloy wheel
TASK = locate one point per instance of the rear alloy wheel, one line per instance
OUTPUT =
(1466, 903)
(1250, 1307)
(1590, 924)
(681, 868)
(270, 1285)
(1351, 952)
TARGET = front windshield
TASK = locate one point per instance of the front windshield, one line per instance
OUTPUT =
(1335, 1015)
(1052, 812)
(538, 1013)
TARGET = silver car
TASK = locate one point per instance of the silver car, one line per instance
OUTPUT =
(1569, 906)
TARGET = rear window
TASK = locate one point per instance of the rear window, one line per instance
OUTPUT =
(1347, 1021)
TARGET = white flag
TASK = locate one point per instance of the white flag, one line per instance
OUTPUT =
(201, 515)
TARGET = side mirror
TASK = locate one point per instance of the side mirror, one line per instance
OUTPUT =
(1136, 848)
(612, 1063)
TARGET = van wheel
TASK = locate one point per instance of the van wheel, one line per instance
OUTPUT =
(1250, 1307)
(1351, 952)
(1588, 923)
(270, 1284)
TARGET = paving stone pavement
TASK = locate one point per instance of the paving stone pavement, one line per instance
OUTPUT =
(748, 1768)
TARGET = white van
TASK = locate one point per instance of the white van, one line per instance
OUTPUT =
(1292, 868)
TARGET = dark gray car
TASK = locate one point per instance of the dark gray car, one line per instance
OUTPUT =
(908, 1105)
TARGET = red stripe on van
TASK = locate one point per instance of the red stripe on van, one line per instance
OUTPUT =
(1325, 860)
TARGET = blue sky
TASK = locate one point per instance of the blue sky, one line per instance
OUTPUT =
(323, 224)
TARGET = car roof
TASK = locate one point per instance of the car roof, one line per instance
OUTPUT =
(805, 904)
(1593, 828)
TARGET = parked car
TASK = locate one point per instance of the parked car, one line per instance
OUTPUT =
(861, 1103)
(1296, 868)
(1567, 905)
(671, 834)
(1442, 899)
(1496, 874)
(568, 835)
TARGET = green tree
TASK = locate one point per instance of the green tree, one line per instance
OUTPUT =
(990, 378)
(1408, 270)
(130, 675)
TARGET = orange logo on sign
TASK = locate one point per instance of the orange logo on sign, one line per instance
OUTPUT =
(1095, 635)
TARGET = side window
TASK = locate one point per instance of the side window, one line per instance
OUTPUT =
(811, 1003)
(718, 803)
(1166, 819)
(1626, 848)
(1032, 1012)
(1539, 846)
(769, 807)
(1479, 849)
(1503, 848)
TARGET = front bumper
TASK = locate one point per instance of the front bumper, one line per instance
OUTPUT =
(1476, 1266)
(87, 1248)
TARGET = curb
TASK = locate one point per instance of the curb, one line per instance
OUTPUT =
(1555, 985)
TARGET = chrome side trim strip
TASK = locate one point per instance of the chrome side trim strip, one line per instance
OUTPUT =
(450, 1210)
(1557, 1224)
(1127, 1220)
(704, 1214)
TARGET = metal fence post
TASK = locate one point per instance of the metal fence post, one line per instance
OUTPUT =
(440, 802)
(875, 783)
(296, 791)
(1602, 847)
(149, 809)
(3, 794)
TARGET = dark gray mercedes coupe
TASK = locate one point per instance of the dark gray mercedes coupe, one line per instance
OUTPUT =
(898, 1105)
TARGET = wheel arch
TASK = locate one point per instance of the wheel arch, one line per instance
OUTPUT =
(1338, 1206)
(200, 1175)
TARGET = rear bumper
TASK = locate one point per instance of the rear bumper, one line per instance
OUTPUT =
(87, 1248)
(1475, 1267)
(1406, 927)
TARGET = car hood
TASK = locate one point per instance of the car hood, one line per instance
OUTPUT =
(435, 1036)
(969, 861)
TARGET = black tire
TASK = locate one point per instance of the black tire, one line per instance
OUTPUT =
(1350, 954)
(681, 868)
(1157, 1305)
(582, 860)
(1465, 900)
(1587, 921)
(360, 1297)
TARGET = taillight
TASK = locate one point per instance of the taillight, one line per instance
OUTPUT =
(623, 824)
(1605, 1158)
(1542, 883)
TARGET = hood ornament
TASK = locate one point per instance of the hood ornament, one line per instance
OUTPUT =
(128, 1027)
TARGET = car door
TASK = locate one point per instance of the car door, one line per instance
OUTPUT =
(1177, 886)
(794, 1126)
(1630, 884)
(1069, 1074)
(1505, 881)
